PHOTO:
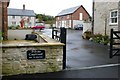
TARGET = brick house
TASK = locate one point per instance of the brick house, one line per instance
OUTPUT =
(21, 17)
(71, 17)
(3, 18)
(105, 16)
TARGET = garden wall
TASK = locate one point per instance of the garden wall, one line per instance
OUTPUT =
(16, 60)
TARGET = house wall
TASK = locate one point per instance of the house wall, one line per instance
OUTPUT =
(17, 19)
(102, 11)
(76, 16)
(63, 23)
(77, 22)
(68, 21)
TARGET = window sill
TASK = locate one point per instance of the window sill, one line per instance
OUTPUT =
(113, 24)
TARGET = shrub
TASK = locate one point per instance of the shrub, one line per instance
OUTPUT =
(17, 27)
(99, 38)
(0, 36)
(87, 35)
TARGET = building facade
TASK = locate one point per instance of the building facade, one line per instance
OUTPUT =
(69, 18)
(105, 17)
(21, 17)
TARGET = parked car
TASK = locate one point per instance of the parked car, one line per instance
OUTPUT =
(78, 27)
(38, 26)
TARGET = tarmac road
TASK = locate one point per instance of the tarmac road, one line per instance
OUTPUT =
(84, 53)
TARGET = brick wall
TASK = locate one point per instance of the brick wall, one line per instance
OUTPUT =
(75, 16)
(70, 17)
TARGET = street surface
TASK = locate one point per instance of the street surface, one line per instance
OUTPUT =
(84, 53)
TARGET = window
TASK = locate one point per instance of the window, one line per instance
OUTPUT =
(114, 17)
(81, 16)
(21, 17)
(68, 16)
(62, 17)
(13, 17)
(57, 18)
(13, 23)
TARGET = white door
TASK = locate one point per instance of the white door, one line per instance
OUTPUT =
(81, 16)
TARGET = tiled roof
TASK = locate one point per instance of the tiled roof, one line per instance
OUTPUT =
(68, 11)
(20, 12)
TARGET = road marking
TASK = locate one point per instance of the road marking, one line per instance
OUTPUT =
(92, 67)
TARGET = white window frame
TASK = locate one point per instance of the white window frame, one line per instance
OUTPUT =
(14, 23)
(13, 17)
(81, 16)
(113, 18)
(68, 16)
(21, 17)
(58, 18)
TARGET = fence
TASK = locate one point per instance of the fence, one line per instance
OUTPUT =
(60, 35)
(114, 51)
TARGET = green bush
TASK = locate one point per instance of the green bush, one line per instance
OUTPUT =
(99, 38)
(1, 36)
(87, 35)
(14, 27)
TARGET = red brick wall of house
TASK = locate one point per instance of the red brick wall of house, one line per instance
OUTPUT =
(75, 15)
(65, 17)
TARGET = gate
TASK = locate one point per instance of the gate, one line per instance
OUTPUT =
(115, 35)
(60, 35)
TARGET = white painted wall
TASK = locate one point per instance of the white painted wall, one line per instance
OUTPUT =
(81, 16)
(87, 27)
(17, 19)
(77, 22)
(18, 34)
(63, 23)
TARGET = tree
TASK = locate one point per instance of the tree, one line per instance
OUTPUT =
(46, 18)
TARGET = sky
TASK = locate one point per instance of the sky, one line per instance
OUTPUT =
(50, 7)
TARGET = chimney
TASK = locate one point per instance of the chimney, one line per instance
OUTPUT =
(23, 6)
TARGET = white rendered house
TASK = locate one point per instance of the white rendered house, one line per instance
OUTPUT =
(21, 17)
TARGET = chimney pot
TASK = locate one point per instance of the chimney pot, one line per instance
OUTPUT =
(23, 6)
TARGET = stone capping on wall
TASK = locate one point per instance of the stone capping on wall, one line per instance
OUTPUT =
(48, 42)
(12, 45)
(46, 38)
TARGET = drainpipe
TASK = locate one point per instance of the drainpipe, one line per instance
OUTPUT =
(93, 17)
(119, 15)
(71, 22)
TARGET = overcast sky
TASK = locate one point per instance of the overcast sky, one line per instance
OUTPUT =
(50, 7)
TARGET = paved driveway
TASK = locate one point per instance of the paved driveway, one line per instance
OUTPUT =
(83, 53)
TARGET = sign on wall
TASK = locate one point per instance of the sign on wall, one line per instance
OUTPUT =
(35, 54)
